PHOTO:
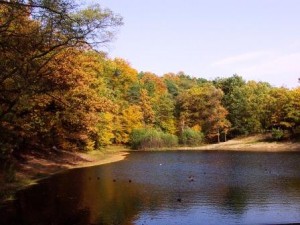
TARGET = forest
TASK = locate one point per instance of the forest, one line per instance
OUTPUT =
(60, 91)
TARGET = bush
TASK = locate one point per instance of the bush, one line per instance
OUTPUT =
(277, 134)
(150, 138)
(191, 137)
(169, 140)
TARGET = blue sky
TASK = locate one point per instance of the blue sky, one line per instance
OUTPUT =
(257, 39)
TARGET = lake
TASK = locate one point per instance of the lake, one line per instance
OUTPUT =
(167, 188)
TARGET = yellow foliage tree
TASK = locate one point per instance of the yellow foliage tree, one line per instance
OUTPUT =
(146, 108)
(105, 128)
(201, 106)
(130, 118)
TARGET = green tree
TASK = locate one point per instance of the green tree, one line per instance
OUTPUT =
(164, 108)
(249, 108)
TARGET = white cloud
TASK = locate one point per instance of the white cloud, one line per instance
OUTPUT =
(288, 63)
(242, 58)
(278, 68)
(283, 70)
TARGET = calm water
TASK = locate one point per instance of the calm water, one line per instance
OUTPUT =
(167, 188)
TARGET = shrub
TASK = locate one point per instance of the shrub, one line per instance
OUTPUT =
(149, 138)
(169, 140)
(191, 137)
(277, 134)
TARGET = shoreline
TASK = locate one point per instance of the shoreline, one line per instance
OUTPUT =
(247, 147)
(255, 143)
(37, 168)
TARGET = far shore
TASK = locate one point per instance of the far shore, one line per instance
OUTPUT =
(255, 143)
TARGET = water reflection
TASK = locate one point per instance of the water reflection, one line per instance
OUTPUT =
(79, 199)
(226, 187)
(236, 199)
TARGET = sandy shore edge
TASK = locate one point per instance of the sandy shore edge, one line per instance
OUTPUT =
(36, 168)
(255, 143)
(110, 158)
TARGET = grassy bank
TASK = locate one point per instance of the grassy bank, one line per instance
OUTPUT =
(33, 167)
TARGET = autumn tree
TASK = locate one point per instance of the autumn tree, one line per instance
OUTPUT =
(121, 77)
(38, 41)
(201, 106)
(293, 111)
(172, 81)
(285, 107)
(146, 108)
(131, 118)
(154, 85)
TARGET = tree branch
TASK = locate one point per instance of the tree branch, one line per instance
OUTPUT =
(31, 5)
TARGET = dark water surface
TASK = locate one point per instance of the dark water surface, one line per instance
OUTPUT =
(167, 188)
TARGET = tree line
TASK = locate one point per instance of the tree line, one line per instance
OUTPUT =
(58, 91)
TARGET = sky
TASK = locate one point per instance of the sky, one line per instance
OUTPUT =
(257, 39)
